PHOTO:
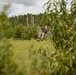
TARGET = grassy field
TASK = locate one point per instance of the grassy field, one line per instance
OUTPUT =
(21, 50)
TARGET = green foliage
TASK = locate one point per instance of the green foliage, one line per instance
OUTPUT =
(5, 28)
(15, 27)
(7, 63)
(22, 19)
(22, 32)
(44, 61)
(63, 33)
(62, 25)
(23, 27)
(30, 32)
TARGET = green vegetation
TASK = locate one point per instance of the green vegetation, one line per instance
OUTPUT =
(7, 63)
(63, 24)
(39, 58)
(29, 55)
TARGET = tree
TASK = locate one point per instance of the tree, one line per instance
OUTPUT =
(63, 28)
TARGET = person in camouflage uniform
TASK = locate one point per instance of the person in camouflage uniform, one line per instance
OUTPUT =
(42, 33)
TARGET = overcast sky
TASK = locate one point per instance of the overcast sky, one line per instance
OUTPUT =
(20, 7)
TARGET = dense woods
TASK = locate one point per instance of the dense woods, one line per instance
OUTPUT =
(62, 24)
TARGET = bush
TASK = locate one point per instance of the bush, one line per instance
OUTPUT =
(63, 33)
(7, 63)
(22, 32)
(62, 25)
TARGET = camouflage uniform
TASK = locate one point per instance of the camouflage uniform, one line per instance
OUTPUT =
(42, 33)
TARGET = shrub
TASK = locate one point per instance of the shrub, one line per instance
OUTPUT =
(63, 33)
(7, 63)
(23, 32)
